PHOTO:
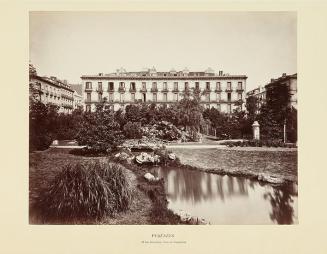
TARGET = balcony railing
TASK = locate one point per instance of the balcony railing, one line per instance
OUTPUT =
(218, 90)
(165, 90)
(228, 90)
(100, 90)
(154, 90)
(207, 90)
(175, 90)
(121, 89)
(88, 89)
(132, 90)
(143, 90)
(239, 90)
(65, 96)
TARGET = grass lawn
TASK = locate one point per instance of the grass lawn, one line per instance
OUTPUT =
(44, 166)
(278, 163)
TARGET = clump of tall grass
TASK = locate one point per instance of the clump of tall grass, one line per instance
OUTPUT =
(86, 191)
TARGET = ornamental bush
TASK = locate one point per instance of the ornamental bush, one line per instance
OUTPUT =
(86, 191)
(133, 130)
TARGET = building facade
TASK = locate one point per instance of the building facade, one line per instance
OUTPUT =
(53, 91)
(78, 101)
(289, 80)
(222, 91)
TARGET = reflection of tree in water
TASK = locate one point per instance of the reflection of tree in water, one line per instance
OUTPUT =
(281, 203)
(241, 185)
(195, 186)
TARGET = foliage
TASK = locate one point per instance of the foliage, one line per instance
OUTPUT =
(100, 131)
(133, 130)
(251, 107)
(90, 190)
(235, 125)
(189, 114)
(67, 125)
(162, 130)
(276, 112)
(42, 125)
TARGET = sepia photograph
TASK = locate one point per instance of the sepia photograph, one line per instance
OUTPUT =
(163, 118)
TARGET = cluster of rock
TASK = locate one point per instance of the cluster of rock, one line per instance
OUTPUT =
(186, 217)
(147, 158)
(270, 178)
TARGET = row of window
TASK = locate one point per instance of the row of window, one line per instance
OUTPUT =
(229, 107)
(154, 97)
(165, 87)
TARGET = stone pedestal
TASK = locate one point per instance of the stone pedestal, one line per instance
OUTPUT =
(256, 130)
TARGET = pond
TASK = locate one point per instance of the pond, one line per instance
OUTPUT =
(223, 199)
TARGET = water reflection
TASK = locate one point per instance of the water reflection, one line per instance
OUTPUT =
(228, 200)
(282, 205)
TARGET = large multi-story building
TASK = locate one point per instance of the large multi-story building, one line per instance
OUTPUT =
(222, 91)
(261, 92)
(53, 91)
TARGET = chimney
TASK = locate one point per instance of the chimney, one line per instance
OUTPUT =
(100, 74)
(284, 74)
(65, 81)
(220, 73)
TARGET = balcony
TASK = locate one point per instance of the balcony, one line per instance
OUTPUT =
(65, 96)
(207, 90)
(175, 90)
(100, 90)
(87, 89)
(218, 90)
(239, 89)
(165, 90)
(111, 90)
(132, 90)
(229, 90)
(197, 90)
(143, 90)
(154, 90)
(121, 89)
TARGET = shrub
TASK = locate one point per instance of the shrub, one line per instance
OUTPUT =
(133, 130)
(85, 191)
(100, 131)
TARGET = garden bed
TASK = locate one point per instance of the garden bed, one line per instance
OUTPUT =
(149, 203)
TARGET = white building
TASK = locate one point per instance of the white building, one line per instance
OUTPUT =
(289, 80)
(53, 91)
(222, 91)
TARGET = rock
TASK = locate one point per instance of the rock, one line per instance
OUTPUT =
(172, 156)
(55, 142)
(184, 215)
(270, 179)
(144, 158)
(151, 178)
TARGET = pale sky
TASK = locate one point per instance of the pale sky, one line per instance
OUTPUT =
(261, 45)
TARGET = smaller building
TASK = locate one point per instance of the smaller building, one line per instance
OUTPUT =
(261, 92)
(78, 96)
(53, 91)
(78, 101)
